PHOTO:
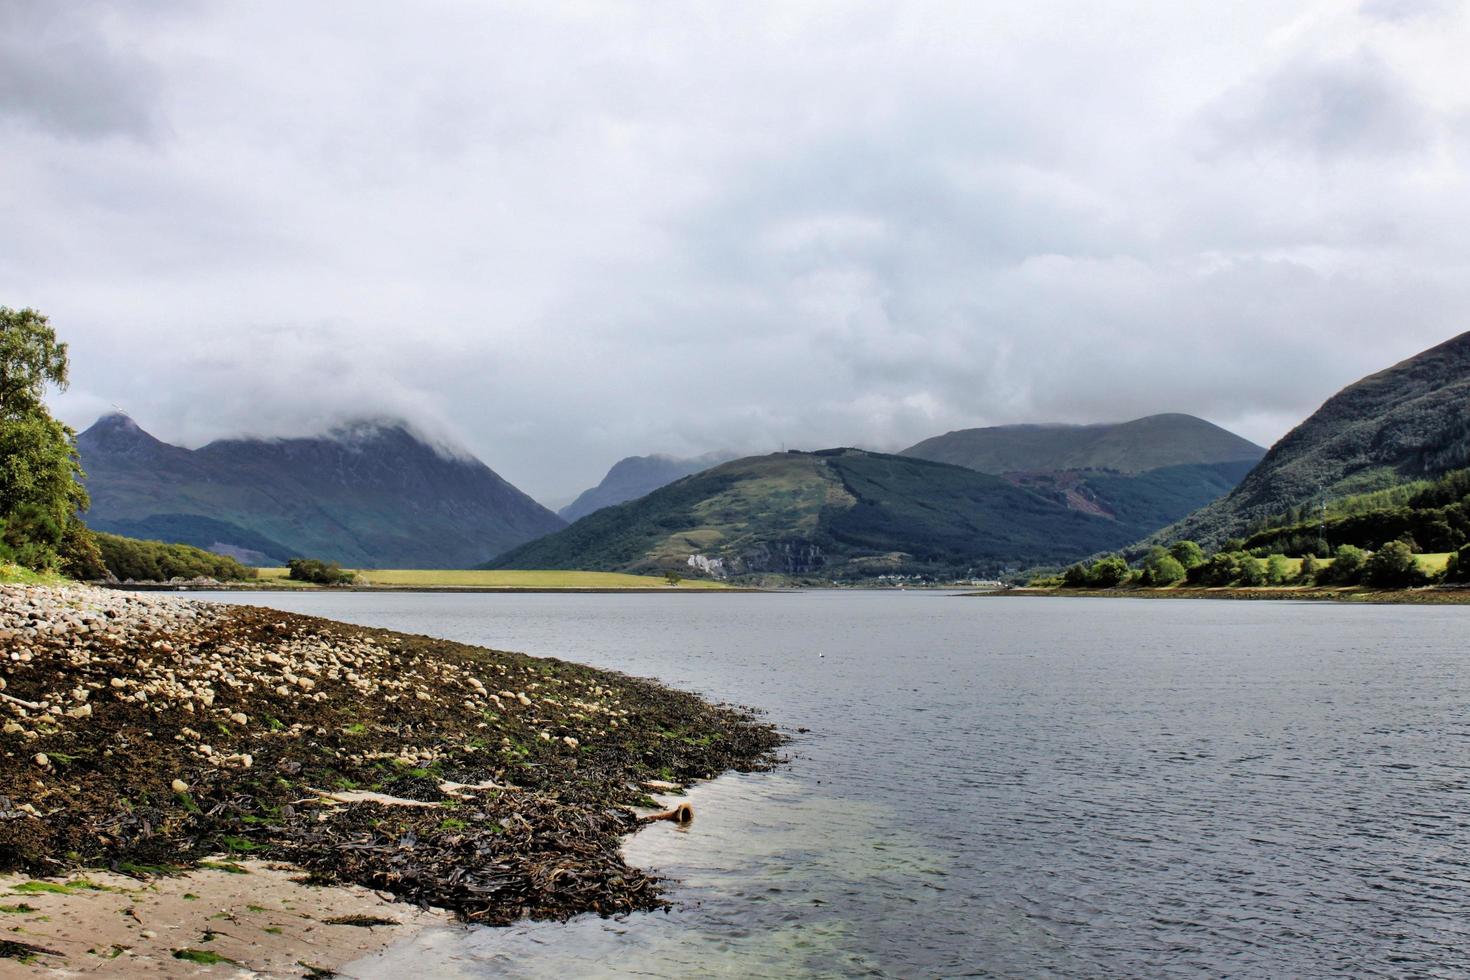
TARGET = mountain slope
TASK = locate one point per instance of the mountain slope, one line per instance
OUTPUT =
(1126, 447)
(368, 494)
(840, 513)
(1407, 422)
(635, 477)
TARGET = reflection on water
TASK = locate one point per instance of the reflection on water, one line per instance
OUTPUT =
(1021, 787)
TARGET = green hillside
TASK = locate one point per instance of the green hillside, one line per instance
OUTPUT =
(1148, 443)
(839, 513)
(1409, 422)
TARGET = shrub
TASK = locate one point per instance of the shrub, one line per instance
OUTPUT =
(1107, 572)
(1458, 569)
(1310, 567)
(1187, 554)
(1076, 577)
(1347, 566)
(1278, 570)
(81, 557)
(319, 572)
(1252, 571)
(1161, 568)
(1393, 567)
(155, 561)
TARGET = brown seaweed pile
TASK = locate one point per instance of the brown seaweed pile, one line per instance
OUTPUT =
(144, 734)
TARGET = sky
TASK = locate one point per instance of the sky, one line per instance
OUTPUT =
(557, 234)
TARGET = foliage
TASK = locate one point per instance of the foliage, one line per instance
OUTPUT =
(673, 578)
(1160, 568)
(1346, 568)
(39, 469)
(1278, 570)
(1393, 567)
(1458, 567)
(1252, 571)
(1309, 569)
(155, 561)
(81, 556)
(319, 572)
(1108, 572)
(1188, 554)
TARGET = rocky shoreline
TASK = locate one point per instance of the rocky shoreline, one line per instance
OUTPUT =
(1432, 596)
(147, 735)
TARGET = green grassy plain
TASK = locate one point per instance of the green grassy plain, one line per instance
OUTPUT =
(16, 575)
(430, 578)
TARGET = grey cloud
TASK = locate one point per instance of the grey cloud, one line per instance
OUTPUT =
(1350, 105)
(561, 234)
(1400, 11)
(61, 72)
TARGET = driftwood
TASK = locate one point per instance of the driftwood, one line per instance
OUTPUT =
(683, 813)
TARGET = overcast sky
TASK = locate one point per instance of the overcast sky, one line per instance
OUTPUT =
(562, 233)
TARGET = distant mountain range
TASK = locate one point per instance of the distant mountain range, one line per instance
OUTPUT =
(1149, 443)
(637, 476)
(1145, 474)
(367, 494)
(840, 513)
(1405, 423)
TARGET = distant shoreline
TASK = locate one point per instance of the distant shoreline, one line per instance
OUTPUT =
(519, 589)
(1406, 597)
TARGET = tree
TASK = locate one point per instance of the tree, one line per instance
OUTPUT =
(1160, 568)
(673, 578)
(1347, 565)
(40, 488)
(1188, 554)
(1252, 571)
(1107, 572)
(1309, 570)
(1393, 566)
(1278, 570)
(1458, 569)
(1076, 577)
(318, 571)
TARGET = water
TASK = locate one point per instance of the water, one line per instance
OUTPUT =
(1020, 787)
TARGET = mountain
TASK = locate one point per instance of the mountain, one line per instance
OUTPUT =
(839, 513)
(367, 494)
(1146, 474)
(1149, 443)
(1409, 422)
(636, 476)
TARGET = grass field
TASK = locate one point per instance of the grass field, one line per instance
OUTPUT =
(16, 575)
(428, 578)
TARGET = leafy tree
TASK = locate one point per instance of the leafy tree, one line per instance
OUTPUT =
(673, 578)
(1347, 565)
(155, 561)
(1458, 569)
(1310, 567)
(1160, 568)
(1221, 568)
(1278, 570)
(1108, 572)
(1076, 577)
(320, 572)
(40, 492)
(1393, 567)
(1188, 554)
(1252, 571)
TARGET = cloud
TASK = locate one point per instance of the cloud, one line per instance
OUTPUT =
(62, 72)
(559, 234)
(1331, 107)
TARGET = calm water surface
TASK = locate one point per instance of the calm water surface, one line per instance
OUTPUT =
(1020, 787)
